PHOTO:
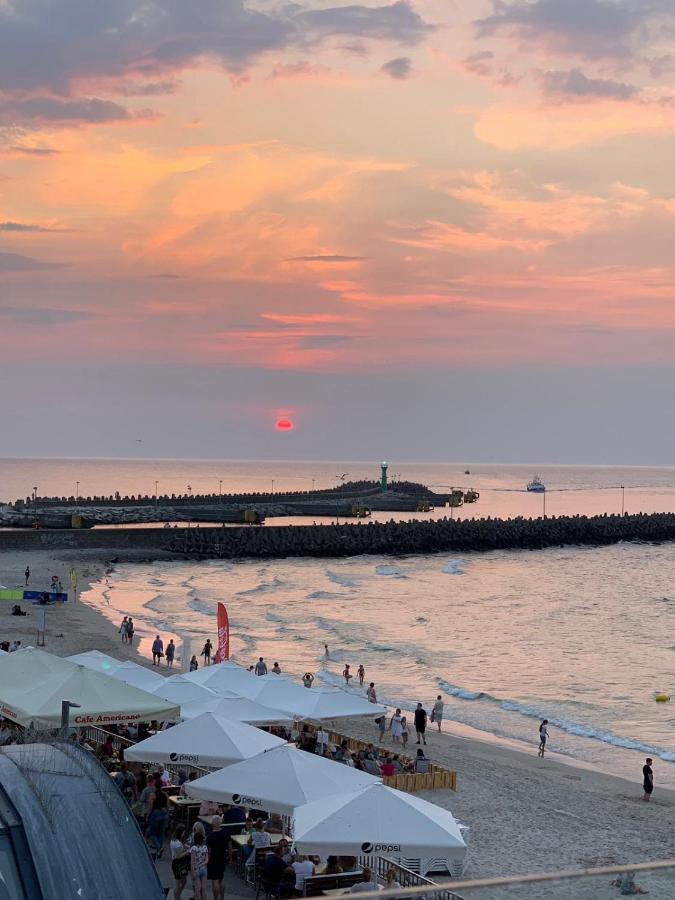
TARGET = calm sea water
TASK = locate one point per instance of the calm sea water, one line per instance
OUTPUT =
(584, 637)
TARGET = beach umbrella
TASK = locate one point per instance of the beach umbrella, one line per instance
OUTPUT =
(206, 740)
(33, 683)
(377, 820)
(216, 671)
(179, 690)
(279, 780)
(241, 709)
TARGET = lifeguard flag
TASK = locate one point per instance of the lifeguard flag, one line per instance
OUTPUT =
(223, 651)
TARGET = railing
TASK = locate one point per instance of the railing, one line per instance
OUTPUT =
(406, 877)
(436, 778)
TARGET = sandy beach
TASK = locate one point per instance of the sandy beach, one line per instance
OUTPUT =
(526, 814)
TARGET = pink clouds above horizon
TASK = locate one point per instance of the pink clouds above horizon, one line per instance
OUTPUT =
(363, 186)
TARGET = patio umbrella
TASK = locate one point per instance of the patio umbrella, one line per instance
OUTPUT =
(206, 740)
(179, 690)
(122, 670)
(377, 820)
(279, 780)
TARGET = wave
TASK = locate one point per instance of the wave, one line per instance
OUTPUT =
(202, 607)
(454, 567)
(324, 595)
(343, 580)
(264, 588)
(576, 728)
(421, 620)
(157, 581)
(389, 571)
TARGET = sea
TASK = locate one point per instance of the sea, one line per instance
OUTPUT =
(584, 637)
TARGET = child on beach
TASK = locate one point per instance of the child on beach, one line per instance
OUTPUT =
(404, 731)
(543, 737)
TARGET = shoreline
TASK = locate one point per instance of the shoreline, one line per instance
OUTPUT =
(525, 814)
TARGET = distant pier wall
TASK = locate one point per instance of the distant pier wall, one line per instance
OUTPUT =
(390, 538)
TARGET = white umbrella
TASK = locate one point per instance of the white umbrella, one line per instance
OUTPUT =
(378, 820)
(241, 709)
(179, 690)
(279, 780)
(33, 683)
(207, 740)
(216, 671)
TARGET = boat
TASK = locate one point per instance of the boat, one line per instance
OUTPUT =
(536, 486)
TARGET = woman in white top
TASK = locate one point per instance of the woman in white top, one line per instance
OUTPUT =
(303, 868)
(437, 711)
(396, 727)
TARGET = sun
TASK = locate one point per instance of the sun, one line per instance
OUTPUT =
(284, 424)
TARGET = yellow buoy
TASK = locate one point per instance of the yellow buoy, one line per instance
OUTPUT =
(662, 698)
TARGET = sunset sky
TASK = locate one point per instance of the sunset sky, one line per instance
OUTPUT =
(441, 230)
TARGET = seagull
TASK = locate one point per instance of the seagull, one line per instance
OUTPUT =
(343, 476)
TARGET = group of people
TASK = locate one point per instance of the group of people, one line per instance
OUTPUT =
(10, 646)
(126, 629)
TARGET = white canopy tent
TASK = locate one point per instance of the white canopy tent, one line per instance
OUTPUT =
(33, 684)
(206, 740)
(241, 709)
(223, 677)
(122, 670)
(315, 703)
(279, 780)
(381, 821)
(179, 690)
(217, 670)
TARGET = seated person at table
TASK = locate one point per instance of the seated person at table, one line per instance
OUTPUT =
(333, 867)
(303, 868)
(366, 883)
(339, 754)
(274, 867)
(258, 838)
(396, 762)
(371, 765)
(421, 763)
(286, 853)
(234, 818)
(275, 824)
(209, 808)
(349, 863)
(387, 766)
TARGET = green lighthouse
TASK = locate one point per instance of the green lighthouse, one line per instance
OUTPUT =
(383, 477)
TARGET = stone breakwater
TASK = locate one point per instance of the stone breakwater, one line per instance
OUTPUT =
(431, 536)
(374, 538)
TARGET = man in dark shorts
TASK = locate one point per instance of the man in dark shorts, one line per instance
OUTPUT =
(421, 723)
(647, 780)
(217, 843)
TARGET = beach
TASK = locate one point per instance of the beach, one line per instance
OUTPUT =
(525, 814)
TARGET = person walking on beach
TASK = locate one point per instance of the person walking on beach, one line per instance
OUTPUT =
(194, 665)
(130, 631)
(27, 574)
(404, 731)
(361, 672)
(206, 652)
(123, 629)
(260, 667)
(346, 674)
(647, 780)
(395, 726)
(170, 653)
(543, 737)
(370, 693)
(437, 712)
(157, 650)
(421, 723)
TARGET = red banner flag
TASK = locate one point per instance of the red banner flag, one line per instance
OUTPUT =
(223, 651)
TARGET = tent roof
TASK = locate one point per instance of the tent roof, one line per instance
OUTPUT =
(179, 689)
(231, 706)
(33, 684)
(217, 670)
(279, 780)
(121, 669)
(313, 703)
(206, 740)
(377, 819)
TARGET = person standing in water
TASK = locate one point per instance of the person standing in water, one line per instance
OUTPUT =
(647, 780)
(370, 693)
(361, 672)
(325, 650)
(437, 712)
(543, 737)
(346, 674)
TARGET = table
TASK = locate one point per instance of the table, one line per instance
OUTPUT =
(184, 809)
(241, 840)
(338, 892)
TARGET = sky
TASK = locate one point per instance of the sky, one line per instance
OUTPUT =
(431, 230)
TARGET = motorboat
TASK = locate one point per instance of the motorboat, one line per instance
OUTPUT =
(536, 486)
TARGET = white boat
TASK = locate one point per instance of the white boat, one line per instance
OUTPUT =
(536, 486)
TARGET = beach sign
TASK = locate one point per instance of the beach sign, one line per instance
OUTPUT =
(20, 596)
(223, 651)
